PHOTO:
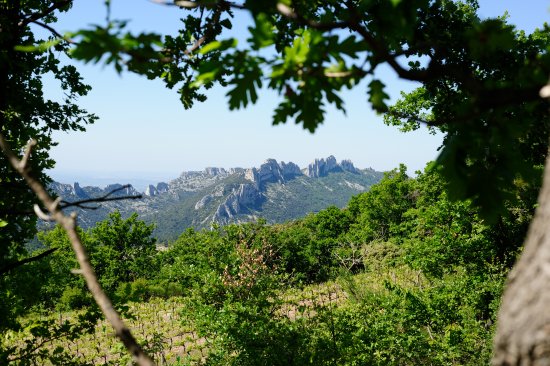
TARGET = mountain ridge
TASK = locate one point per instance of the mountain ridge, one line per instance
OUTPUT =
(275, 191)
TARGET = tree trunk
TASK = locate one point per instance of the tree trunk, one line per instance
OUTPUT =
(523, 329)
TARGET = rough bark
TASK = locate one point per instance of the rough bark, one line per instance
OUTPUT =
(523, 329)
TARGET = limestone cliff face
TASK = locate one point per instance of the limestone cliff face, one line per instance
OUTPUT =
(119, 191)
(215, 171)
(322, 167)
(348, 166)
(78, 191)
(75, 192)
(272, 172)
(241, 200)
(162, 187)
(219, 191)
(151, 191)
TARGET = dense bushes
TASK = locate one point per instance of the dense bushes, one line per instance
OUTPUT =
(429, 278)
(418, 276)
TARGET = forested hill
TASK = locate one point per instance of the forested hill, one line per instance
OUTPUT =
(276, 191)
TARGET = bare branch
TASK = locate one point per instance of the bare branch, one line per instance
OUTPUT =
(54, 32)
(69, 225)
(81, 203)
(291, 14)
(196, 45)
(66, 204)
(41, 215)
(14, 265)
(104, 198)
(25, 159)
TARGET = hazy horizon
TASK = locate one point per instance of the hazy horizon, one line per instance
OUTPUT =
(144, 131)
(141, 179)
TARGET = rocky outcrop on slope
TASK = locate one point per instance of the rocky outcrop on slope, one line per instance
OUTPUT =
(272, 172)
(151, 191)
(197, 180)
(120, 190)
(241, 200)
(348, 166)
(215, 171)
(322, 167)
(162, 187)
(76, 192)
(219, 191)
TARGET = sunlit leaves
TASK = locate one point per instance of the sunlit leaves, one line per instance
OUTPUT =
(412, 111)
(218, 46)
(136, 52)
(262, 34)
(40, 47)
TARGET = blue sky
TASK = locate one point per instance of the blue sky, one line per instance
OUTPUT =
(144, 134)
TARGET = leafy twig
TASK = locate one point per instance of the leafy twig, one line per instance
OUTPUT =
(14, 265)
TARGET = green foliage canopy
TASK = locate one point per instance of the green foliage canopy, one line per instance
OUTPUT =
(25, 114)
(479, 79)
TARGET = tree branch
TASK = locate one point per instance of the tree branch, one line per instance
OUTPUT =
(36, 16)
(13, 265)
(79, 204)
(69, 225)
(485, 99)
(104, 198)
(379, 50)
(53, 31)
(300, 19)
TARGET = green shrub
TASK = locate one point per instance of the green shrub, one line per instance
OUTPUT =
(379, 254)
(74, 298)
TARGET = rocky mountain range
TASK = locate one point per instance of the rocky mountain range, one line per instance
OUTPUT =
(276, 191)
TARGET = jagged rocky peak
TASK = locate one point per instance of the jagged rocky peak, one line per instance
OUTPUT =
(190, 175)
(65, 190)
(236, 170)
(290, 169)
(272, 171)
(321, 167)
(215, 171)
(118, 189)
(151, 191)
(78, 191)
(348, 166)
(162, 187)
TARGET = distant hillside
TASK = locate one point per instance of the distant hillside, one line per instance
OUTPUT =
(275, 191)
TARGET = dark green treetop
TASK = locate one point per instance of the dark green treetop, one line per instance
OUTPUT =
(24, 114)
